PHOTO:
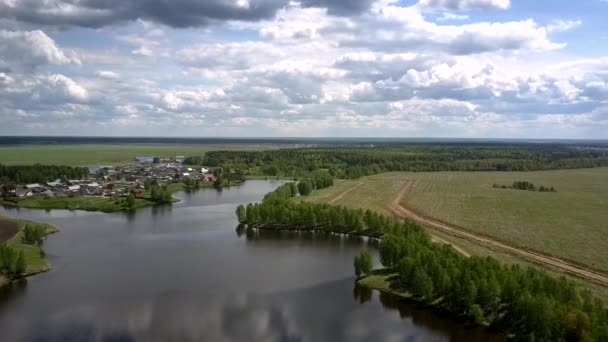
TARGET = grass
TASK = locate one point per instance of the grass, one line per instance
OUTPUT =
(570, 223)
(89, 154)
(34, 258)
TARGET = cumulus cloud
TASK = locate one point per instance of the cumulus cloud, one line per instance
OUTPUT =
(177, 13)
(30, 49)
(458, 5)
(107, 75)
(329, 67)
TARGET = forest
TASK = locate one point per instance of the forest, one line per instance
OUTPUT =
(354, 162)
(23, 174)
(524, 302)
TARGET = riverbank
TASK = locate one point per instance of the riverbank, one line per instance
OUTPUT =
(96, 203)
(35, 261)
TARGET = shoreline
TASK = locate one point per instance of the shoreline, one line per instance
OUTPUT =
(37, 262)
(97, 203)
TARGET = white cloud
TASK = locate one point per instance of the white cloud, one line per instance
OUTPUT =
(447, 16)
(107, 75)
(30, 49)
(392, 70)
(457, 5)
(563, 25)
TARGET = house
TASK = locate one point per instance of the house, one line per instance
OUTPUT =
(137, 193)
(179, 159)
(9, 190)
(33, 186)
(145, 159)
(24, 193)
(93, 185)
(110, 186)
(94, 169)
(208, 177)
(74, 188)
(204, 170)
(53, 184)
(186, 174)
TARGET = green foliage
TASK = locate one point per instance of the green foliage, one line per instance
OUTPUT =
(363, 263)
(241, 213)
(355, 162)
(130, 201)
(33, 234)
(194, 160)
(191, 183)
(20, 265)
(160, 194)
(525, 302)
(305, 187)
(525, 185)
(8, 258)
(21, 174)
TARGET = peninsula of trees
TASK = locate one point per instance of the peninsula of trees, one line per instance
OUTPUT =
(524, 302)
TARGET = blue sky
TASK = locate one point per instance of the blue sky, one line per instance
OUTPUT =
(249, 68)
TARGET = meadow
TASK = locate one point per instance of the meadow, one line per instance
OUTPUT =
(109, 154)
(570, 223)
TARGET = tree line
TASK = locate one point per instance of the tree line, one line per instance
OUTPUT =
(354, 162)
(524, 302)
(23, 174)
(525, 185)
(12, 263)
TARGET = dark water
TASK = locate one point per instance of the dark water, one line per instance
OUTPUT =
(182, 273)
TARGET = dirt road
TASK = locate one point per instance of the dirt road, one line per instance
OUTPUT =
(339, 197)
(535, 257)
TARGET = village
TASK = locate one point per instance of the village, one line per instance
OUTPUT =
(112, 181)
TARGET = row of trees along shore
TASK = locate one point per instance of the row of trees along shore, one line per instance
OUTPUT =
(524, 302)
(353, 162)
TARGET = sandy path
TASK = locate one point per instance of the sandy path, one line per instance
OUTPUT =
(339, 197)
(538, 258)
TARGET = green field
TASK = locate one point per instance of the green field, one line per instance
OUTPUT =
(87, 155)
(34, 259)
(571, 223)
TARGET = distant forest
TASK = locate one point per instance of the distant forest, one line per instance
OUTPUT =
(354, 162)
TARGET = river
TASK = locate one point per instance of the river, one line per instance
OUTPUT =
(183, 273)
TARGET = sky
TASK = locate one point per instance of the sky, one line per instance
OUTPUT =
(307, 68)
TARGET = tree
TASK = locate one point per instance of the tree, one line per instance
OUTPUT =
(20, 265)
(305, 187)
(363, 263)
(476, 313)
(130, 201)
(241, 213)
(219, 181)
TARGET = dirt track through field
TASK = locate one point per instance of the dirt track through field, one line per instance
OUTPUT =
(535, 257)
(339, 197)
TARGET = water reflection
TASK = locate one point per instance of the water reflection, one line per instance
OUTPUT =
(180, 273)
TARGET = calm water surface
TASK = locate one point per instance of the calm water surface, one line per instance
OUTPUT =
(183, 273)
